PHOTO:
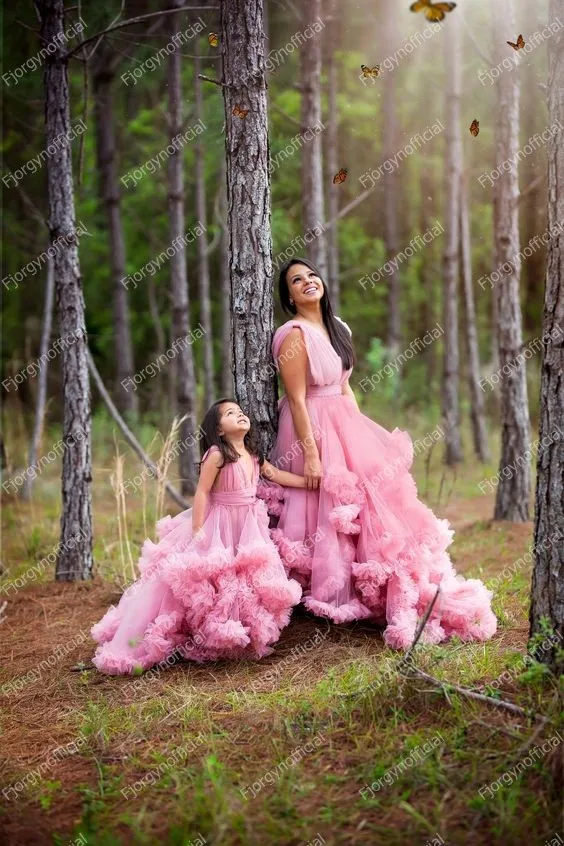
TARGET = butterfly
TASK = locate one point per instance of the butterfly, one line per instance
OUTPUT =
(432, 11)
(475, 127)
(239, 112)
(340, 176)
(520, 43)
(213, 40)
(370, 72)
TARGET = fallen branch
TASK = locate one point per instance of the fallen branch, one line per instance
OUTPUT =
(419, 631)
(128, 434)
(447, 687)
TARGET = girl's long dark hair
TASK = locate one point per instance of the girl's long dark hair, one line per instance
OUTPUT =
(209, 429)
(338, 334)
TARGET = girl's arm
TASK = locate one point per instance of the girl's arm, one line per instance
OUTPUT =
(293, 372)
(208, 473)
(282, 477)
(348, 392)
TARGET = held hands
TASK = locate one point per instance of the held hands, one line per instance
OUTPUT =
(312, 471)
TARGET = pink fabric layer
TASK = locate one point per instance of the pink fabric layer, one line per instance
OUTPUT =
(224, 595)
(364, 545)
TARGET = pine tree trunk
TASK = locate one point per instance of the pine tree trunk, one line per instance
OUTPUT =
(313, 212)
(453, 169)
(428, 317)
(185, 380)
(513, 489)
(248, 214)
(126, 400)
(226, 345)
(203, 261)
(477, 411)
(42, 375)
(533, 211)
(390, 144)
(74, 557)
(333, 166)
(547, 592)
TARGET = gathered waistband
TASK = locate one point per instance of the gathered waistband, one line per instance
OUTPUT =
(323, 391)
(244, 496)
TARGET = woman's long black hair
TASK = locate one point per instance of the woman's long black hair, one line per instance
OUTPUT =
(338, 334)
(209, 429)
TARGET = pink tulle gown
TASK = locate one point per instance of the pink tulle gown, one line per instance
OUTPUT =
(363, 545)
(225, 595)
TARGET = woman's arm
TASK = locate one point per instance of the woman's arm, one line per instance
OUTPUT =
(293, 372)
(282, 477)
(208, 472)
(348, 391)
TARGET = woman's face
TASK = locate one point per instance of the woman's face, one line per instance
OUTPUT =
(304, 285)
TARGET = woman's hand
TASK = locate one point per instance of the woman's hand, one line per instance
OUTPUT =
(312, 471)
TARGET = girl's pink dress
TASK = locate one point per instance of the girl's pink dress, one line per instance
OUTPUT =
(225, 595)
(363, 545)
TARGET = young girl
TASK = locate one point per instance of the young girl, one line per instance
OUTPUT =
(214, 585)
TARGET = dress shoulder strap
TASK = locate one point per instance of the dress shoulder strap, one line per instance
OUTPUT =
(281, 333)
(213, 448)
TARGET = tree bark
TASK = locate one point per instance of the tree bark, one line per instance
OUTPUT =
(203, 260)
(248, 198)
(185, 379)
(428, 317)
(547, 593)
(42, 375)
(477, 411)
(226, 340)
(74, 556)
(313, 213)
(103, 78)
(453, 169)
(513, 490)
(332, 158)
(391, 188)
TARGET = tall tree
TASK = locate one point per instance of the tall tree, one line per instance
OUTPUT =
(391, 186)
(185, 378)
(248, 214)
(74, 557)
(477, 410)
(226, 344)
(547, 596)
(42, 375)
(105, 64)
(313, 214)
(513, 490)
(203, 260)
(453, 170)
(332, 155)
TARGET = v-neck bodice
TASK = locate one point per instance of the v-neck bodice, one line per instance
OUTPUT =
(325, 366)
(233, 479)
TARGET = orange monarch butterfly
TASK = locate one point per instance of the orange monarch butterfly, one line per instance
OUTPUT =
(213, 40)
(475, 127)
(432, 11)
(370, 72)
(520, 43)
(239, 112)
(340, 176)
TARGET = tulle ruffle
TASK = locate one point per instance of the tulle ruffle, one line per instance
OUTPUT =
(393, 555)
(219, 600)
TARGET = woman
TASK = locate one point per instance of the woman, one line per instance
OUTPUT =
(356, 537)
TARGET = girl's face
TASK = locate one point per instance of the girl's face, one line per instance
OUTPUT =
(232, 420)
(304, 285)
